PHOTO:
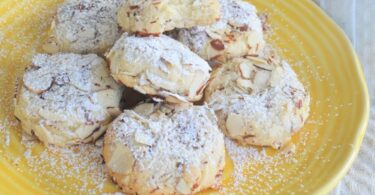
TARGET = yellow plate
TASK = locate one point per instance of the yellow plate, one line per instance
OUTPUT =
(322, 57)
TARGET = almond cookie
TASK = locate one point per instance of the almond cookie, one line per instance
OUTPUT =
(238, 33)
(159, 66)
(258, 101)
(67, 99)
(157, 149)
(84, 26)
(153, 17)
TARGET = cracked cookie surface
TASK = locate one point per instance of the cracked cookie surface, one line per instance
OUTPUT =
(153, 17)
(239, 32)
(67, 99)
(84, 26)
(159, 66)
(157, 149)
(258, 101)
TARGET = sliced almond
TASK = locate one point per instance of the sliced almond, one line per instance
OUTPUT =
(144, 138)
(108, 98)
(260, 63)
(101, 79)
(114, 111)
(157, 99)
(191, 173)
(121, 160)
(217, 44)
(213, 35)
(52, 116)
(245, 70)
(145, 109)
(244, 84)
(261, 79)
(85, 132)
(243, 28)
(175, 99)
(235, 125)
(197, 85)
(276, 76)
(182, 187)
(267, 67)
(161, 81)
(37, 81)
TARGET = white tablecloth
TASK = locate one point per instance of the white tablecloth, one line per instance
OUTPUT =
(356, 17)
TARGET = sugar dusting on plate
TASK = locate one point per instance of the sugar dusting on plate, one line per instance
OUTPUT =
(246, 161)
(82, 164)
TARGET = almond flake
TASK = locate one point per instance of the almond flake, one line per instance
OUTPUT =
(256, 60)
(217, 44)
(245, 70)
(244, 84)
(266, 66)
(235, 125)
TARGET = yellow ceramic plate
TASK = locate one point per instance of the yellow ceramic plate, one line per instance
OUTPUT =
(322, 57)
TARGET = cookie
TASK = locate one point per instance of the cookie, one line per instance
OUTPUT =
(84, 26)
(258, 101)
(157, 149)
(239, 32)
(153, 17)
(67, 99)
(159, 66)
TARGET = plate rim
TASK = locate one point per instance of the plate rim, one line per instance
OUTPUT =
(363, 123)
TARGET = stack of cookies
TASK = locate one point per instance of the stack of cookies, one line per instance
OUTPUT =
(178, 54)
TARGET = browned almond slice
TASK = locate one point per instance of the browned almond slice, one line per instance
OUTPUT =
(217, 45)
(260, 63)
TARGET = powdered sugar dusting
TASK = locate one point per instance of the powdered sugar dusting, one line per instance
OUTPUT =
(240, 156)
(62, 94)
(152, 49)
(82, 164)
(87, 25)
(256, 169)
(172, 132)
(165, 145)
(235, 16)
(5, 127)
